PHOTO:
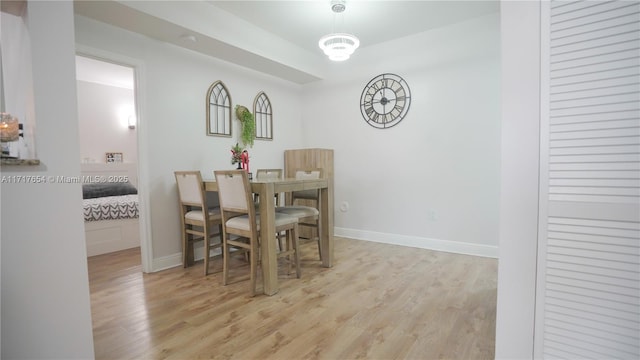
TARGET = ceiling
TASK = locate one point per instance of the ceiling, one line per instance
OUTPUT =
(304, 22)
(279, 38)
(105, 73)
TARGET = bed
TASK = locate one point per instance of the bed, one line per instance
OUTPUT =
(110, 207)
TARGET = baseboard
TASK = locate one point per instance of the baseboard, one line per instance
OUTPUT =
(166, 262)
(420, 242)
(175, 260)
(456, 247)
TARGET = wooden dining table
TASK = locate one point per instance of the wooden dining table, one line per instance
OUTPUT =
(266, 190)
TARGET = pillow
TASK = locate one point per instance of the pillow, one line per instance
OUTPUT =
(90, 191)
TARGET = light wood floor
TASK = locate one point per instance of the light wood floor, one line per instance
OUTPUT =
(379, 301)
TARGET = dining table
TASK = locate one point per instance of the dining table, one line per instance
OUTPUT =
(266, 190)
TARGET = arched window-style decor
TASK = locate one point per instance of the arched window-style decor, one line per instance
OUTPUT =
(218, 110)
(263, 116)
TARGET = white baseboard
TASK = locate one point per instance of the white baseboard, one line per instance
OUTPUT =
(175, 260)
(456, 247)
(166, 262)
(420, 242)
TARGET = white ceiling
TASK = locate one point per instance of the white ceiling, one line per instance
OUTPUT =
(100, 72)
(303, 22)
(279, 38)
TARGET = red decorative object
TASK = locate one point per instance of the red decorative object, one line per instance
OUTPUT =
(244, 159)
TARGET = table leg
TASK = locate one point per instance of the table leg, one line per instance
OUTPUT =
(268, 239)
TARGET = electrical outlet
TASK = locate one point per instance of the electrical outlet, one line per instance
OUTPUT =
(344, 206)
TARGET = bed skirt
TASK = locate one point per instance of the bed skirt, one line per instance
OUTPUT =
(107, 236)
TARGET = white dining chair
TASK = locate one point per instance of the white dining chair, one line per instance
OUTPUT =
(195, 225)
(307, 215)
(270, 174)
(241, 226)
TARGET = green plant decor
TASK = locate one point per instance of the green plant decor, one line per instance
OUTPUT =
(248, 133)
(236, 154)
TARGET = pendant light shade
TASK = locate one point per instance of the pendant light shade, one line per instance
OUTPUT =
(338, 46)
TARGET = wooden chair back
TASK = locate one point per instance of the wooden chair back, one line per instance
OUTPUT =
(234, 192)
(270, 174)
(267, 174)
(190, 188)
(308, 194)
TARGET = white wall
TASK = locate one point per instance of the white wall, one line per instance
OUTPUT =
(433, 180)
(173, 120)
(103, 111)
(45, 290)
(448, 146)
(17, 79)
(45, 303)
(520, 21)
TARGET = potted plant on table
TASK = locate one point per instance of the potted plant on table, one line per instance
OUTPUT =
(236, 155)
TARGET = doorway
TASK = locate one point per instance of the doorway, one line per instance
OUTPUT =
(108, 113)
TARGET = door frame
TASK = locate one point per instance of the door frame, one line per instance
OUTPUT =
(144, 224)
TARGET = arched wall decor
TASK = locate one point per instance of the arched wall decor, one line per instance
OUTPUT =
(218, 110)
(263, 116)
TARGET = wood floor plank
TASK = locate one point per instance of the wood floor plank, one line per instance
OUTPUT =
(379, 301)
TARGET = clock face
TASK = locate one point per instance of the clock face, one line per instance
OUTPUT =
(385, 101)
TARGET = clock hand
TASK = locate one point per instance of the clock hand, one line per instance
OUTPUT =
(383, 101)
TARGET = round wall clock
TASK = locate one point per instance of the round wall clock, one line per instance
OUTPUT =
(385, 101)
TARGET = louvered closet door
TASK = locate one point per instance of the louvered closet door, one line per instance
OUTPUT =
(588, 298)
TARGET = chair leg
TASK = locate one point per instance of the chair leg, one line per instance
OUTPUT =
(185, 240)
(221, 240)
(296, 254)
(190, 249)
(289, 240)
(207, 252)
(280, 245)
(225, 260)
(318, 227)
(253, 254)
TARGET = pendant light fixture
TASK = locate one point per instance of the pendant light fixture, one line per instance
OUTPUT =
(338, 46)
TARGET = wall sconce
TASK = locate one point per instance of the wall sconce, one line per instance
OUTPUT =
(131, 120)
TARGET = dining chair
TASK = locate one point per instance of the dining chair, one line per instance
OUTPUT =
(306, 205)
(195, 226)
(305, 214)
(268, 174)
(313, 195)
(239, 220)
